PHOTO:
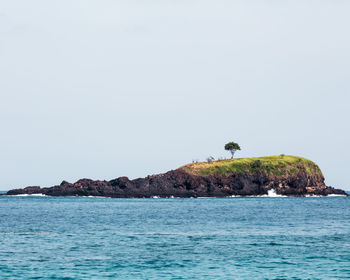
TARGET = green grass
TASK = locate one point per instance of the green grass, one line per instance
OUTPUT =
(276, 165)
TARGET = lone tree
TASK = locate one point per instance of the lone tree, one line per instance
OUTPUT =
(232, 147)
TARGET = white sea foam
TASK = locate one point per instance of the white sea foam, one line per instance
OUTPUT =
(33, 194)
(90, 196)
(330, 195)
(272, 193)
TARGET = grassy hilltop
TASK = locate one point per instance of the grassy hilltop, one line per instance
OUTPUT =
(272, 165)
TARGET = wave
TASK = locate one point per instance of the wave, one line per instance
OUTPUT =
(329, 195)
(88, 196)
(33, 194)
(270, 193)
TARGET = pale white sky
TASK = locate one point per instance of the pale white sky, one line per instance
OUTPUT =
(102, 89)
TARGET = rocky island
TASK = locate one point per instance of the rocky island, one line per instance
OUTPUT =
(285, 175)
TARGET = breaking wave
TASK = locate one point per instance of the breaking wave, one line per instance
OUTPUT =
(33, 194)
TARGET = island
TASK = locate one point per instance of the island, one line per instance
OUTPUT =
(282, 175)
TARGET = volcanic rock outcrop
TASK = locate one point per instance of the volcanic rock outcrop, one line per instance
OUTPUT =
(286, 175)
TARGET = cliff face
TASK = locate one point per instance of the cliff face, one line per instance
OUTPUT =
(215, 179)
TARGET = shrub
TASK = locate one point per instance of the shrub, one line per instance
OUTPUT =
(256, 164)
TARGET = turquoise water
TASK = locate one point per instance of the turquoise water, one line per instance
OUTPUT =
(213, 238)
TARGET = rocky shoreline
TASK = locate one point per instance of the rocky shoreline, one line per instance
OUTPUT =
(180, 183)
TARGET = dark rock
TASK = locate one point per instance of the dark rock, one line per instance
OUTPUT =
(179, 183)
(27, 190)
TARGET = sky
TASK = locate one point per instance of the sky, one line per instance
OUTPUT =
(102, 89)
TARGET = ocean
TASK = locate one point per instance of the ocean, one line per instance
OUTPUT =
(203, 238)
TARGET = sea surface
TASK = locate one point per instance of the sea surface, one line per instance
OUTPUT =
(209, 238)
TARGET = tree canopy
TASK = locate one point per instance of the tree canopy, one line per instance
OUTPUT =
(232, 147)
